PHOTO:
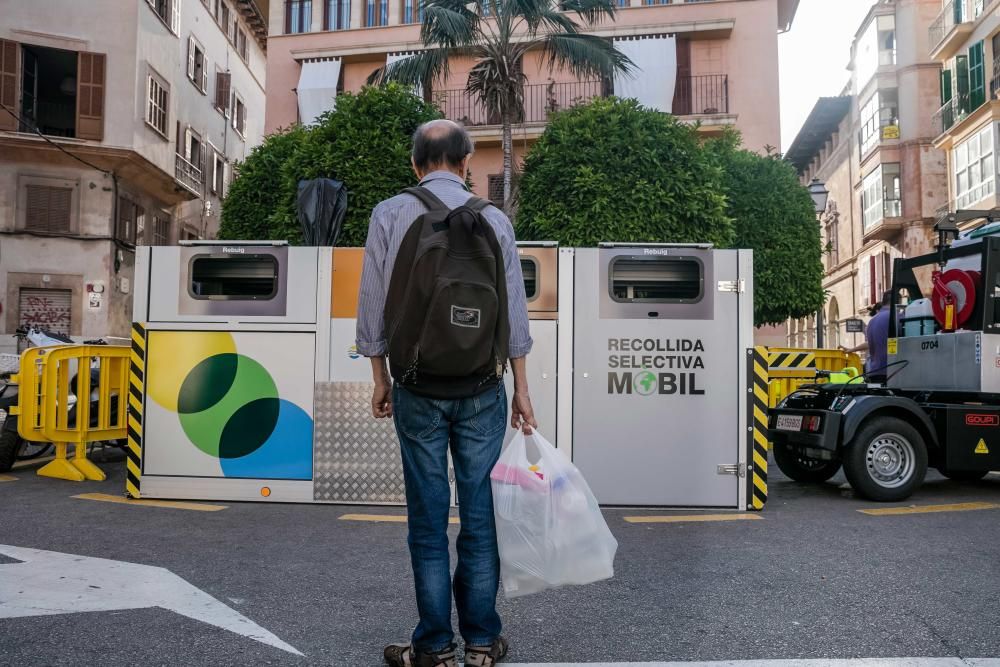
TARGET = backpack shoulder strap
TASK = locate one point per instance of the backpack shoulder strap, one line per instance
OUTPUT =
(427, 198)
(477, 204)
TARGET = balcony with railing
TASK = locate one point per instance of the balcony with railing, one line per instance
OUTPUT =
(951, 28)
(188, 175)
(950, 114)
(540, 100)
(879, 127)
(693, 96)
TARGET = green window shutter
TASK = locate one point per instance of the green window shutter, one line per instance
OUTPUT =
(945, 86)
(962, 82)
(977, 77)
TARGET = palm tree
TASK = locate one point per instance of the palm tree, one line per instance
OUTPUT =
(497, 34)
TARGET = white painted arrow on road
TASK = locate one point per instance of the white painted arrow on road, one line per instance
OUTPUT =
(49, 582)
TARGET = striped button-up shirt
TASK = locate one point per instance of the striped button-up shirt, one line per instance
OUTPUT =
(388, 225)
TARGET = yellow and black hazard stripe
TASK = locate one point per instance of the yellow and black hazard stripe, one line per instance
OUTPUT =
(757, 378)
(782, 360)
(136, 394)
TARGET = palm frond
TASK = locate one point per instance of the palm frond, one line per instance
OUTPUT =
(590, 10)
(585, 55)
(539, 13)
(421, 67)
(449, 23)
(499, 84)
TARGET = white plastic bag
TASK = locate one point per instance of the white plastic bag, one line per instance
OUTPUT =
(550, 530)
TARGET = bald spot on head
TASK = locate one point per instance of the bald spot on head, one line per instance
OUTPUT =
(440, 144)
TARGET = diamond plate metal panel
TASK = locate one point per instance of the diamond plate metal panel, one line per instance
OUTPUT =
(355, 457)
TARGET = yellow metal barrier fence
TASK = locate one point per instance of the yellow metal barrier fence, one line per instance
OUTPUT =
(46, 412)
(788, 368)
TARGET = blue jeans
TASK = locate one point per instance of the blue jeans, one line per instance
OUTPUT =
(474, 428)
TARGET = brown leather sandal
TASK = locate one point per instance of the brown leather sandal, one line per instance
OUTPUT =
(403, 655)
(486, 656)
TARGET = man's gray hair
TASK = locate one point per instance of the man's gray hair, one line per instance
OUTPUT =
(441, 143)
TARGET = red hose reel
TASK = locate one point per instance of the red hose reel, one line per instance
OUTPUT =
(954, 297)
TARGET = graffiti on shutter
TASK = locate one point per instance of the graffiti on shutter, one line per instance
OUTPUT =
(46, 309)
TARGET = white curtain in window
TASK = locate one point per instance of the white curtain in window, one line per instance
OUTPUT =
(654, 76)
(391, 58)
(317, 89)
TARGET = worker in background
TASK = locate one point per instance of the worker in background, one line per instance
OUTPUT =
(471, 423)
(876, 341)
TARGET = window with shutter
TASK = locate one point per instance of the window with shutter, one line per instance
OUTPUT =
(239, 112)
(218, 174)
(48, 209)
(9, 52)
(169, 11)
(157, 103)
(197, 65)
(222, 92)
(175, 17)
(127, 210)
(977, 77)
(962, 82)
(298, 16)
(161, 230)
(90, 96)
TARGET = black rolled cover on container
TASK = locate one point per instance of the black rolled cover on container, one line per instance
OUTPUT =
(321, 206)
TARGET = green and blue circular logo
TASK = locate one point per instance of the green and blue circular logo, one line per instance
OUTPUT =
(644, 383)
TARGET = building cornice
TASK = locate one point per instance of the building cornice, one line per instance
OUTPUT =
(379, 44)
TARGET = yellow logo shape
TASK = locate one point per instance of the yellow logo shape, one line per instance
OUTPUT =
(981, 448)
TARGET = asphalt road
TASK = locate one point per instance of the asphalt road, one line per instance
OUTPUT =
(813, 578)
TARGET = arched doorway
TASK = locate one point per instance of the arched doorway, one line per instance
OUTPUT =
(833, 324)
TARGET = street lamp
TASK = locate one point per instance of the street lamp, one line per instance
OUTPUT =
(819, 194)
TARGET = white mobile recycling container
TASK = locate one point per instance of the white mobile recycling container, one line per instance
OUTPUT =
(659, 382)
(229, 341)
(246, 384)
(540, 267)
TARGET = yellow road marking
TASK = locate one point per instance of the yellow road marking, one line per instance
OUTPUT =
(684, 518)
(930, 509)
(384, 518)
(173, 504)
(32, 462)
(8, 478)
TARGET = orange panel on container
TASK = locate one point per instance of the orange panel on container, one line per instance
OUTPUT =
(346, 281)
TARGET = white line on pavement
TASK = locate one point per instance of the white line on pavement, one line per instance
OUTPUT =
(854, 662)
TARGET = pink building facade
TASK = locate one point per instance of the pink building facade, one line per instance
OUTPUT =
(713, 63)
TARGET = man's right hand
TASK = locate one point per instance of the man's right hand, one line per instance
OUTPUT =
(382, 400)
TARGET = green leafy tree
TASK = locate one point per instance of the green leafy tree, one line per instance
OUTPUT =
(364, 142)
(255, 204)
(613, 170)
(497, 34)
(774, 216)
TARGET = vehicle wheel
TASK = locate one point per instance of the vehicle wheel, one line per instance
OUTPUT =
(32, 450)
(804, 469)
(10, 441)
(963, 475)
(887, 460)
